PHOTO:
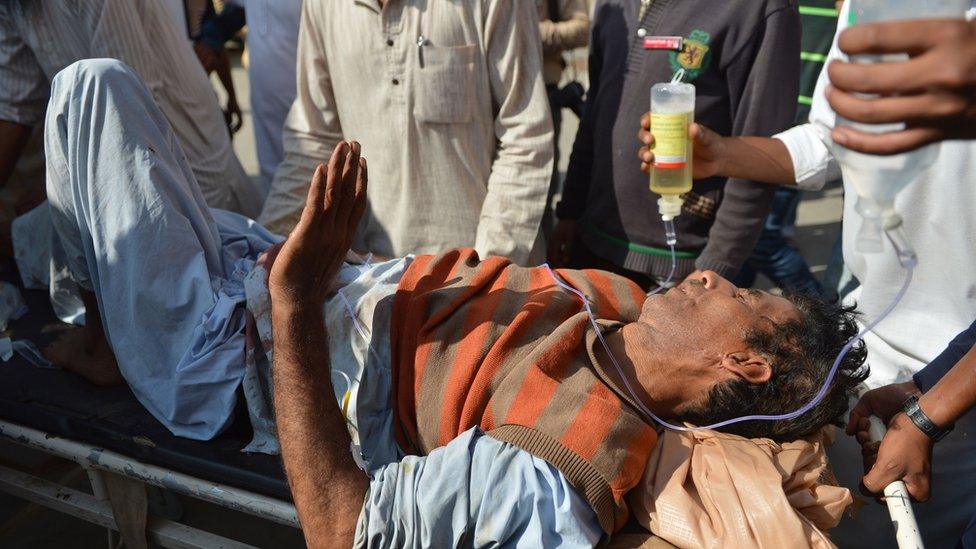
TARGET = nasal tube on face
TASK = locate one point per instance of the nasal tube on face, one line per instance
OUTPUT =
(672, 112)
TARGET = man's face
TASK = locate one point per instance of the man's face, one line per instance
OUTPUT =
(707, 310)
(703, 322)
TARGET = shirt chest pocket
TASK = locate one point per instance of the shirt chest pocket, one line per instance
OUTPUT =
(444, 86)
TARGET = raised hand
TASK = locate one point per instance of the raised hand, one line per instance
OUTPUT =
(309, 260)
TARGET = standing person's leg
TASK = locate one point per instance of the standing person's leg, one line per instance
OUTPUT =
(549, 217)
(140, 238)
(272, 42)
(775, 257)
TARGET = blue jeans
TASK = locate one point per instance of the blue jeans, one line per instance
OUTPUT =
(968, 540)
(775, 257)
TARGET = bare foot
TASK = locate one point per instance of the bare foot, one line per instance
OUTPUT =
(90, 357)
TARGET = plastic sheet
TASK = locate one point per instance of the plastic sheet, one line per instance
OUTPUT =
(42, 264)
(27, 350)
(12, 304)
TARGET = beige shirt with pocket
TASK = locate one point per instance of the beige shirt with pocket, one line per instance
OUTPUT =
(448, 102)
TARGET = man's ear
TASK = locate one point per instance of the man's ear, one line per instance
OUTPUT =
(750, 366)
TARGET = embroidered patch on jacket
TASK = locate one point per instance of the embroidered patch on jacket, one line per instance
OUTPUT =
(698, 205)
(695, 56)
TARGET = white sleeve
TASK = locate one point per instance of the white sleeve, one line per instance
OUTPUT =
(810, 144)
(476, 491)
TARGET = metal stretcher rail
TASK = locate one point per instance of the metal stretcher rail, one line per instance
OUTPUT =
(94, 509)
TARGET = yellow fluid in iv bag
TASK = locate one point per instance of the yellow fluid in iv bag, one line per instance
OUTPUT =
(671, 173)
(672, 112)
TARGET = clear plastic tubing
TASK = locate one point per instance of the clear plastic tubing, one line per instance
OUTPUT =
(908, 262)
(672, 240)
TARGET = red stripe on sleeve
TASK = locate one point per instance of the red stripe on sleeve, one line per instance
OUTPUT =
(468, 365)
(593, 421)
(605, 298)
(633, 467)
(403, 342)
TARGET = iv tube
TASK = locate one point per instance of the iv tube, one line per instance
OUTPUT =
(908, 262)
(672, 111)
(672, 240)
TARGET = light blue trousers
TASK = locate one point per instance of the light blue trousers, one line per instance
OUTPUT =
(166, 270)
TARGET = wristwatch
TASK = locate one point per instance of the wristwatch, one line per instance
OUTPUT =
(923, 422)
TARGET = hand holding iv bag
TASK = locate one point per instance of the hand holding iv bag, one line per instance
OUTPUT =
(672, 113)
(878, 179)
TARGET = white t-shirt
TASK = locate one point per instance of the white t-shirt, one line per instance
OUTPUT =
(939, 210)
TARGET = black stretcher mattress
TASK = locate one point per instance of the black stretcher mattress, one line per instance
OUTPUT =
(64, 404)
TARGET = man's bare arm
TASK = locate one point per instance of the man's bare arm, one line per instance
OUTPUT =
(754, 158)
(758, 159)
(327, 486)
(905, 453)
(13, 138)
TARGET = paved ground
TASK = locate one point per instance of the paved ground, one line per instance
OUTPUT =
(30, 526)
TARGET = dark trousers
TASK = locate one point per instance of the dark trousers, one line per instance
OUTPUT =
(549, 217)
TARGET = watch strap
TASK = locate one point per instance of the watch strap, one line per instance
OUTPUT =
(923, 421)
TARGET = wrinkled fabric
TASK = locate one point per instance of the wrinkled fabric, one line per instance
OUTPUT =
(475, 492)
(42, 263)
(475, 488)
(708, 489)
(39, 38)
(167, 271)
(457, 131)
(12, 304)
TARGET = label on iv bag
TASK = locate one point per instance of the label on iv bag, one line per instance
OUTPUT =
(670, 133)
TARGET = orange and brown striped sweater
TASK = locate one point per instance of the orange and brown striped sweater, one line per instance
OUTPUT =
(502, 347)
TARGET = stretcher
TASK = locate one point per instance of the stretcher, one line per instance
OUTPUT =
(123, 449)
(898, 501)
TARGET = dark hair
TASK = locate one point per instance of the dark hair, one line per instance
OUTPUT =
(801, 354)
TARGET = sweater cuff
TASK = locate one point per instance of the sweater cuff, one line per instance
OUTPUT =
(924, 381)
(721, 268)
(570, 209)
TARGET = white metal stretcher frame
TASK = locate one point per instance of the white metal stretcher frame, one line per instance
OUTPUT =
(96, 507)
(899, 503)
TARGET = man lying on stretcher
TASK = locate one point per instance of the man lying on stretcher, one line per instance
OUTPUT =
(485, 412)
